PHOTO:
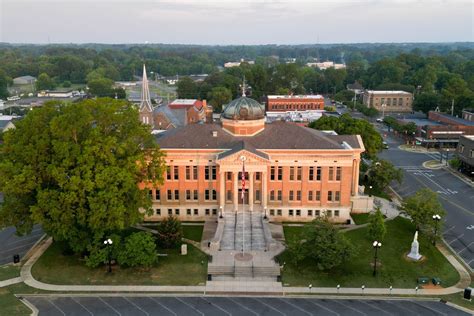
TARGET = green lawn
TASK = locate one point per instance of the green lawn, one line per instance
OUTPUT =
(360, 219)
(193, 232)
(395, 269)
(9, 271)
(173, 269)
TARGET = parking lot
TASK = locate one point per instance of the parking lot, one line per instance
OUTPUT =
(205, 305)
(11, 244)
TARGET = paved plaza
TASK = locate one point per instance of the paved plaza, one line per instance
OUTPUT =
(190, 306)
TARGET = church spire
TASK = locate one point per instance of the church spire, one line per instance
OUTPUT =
(145, 104)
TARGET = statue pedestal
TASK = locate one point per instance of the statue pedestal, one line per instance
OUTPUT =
(414, 256)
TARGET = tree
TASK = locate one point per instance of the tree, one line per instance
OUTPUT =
(4, 82)
(376, 227)
(421, 207)
(170, 232)
(324, 245)
(67, 84)
(426, 102)
(187, 89)
(44, 82)
(381, 173)
(139, 249)
(75, 168)
(99, 253)
(101, 87)
(219, 96)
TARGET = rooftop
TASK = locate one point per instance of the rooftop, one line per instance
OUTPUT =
(184, 101)
(388, 92)
(277, 135)
(458, 120)
(310, 96)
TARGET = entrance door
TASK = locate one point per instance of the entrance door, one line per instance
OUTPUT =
(246, 197)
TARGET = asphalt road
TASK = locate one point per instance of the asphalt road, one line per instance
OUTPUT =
(455, 195)
(11, 244)
(190, 306)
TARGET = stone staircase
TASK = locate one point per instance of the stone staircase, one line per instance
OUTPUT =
(243, 226)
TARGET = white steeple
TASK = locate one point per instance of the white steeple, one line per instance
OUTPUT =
(145, 104)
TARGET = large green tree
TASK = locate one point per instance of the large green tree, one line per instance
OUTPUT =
(218, 97)
(376, 227)
(381, 173)
(44, 82)
(421, 207)
(101, 87)
(139, 249)
(75, 169)
(4, 82)
(187, 88)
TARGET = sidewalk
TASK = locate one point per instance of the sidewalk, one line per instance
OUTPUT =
(10, 282)
(238, 287)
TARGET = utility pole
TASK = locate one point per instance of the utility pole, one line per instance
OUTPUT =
(452, 107)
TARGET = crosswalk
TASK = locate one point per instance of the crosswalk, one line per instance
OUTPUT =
(428, 174)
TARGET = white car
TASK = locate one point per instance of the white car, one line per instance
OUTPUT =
(379, 120)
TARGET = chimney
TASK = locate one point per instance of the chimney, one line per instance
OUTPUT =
(204, 103)
(214, 133)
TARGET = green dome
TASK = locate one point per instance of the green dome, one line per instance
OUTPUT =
(245, 109)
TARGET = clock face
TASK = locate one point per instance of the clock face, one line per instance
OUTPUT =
(244, 113)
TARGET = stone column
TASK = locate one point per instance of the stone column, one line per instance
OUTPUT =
(236, 191)
(222, 189)
(251, 190)
(264, 189)
(355, 178)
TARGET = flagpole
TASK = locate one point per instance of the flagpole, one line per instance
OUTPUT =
(243, 158)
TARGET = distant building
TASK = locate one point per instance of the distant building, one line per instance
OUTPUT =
(294, 102)
(24, 80)
(231, 64)
(389, 101)
(355, 87)
(465, 153)
(6, 122)
(304, 117)
(56, 94)
(326, 64)
(468, 115)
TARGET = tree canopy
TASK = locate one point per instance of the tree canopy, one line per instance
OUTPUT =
(75, 168)
(421, 207)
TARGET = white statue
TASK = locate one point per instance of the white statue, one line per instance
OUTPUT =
(415, 249)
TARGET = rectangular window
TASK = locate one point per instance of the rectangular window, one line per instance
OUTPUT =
(272, 195)
(214, 195)
(258, 176)
(280, 173)
(330, 196)
(170, 211)
(290, 212)
(229, 176)
(214, 172)
(331, 173)
(291, 195)
(299, 172)
(279, 195)
(170, 195)
(158, 211)
(311, 174)
(158, 195)
(188, 211)
(176, 211)
(298, 212)
(317, 213)
(279, 212)
(214, 211)
(176, 172)
(336, 213)
(310, 195)
(338, 173)
(207, 211)
(229, 195)
(292, 173)
(176, 194)
(206, 195)
(318, 174)
(196, 197)
(272, 212)
(337, 196)
(150, 194)
(329, 213)
(298, 195)
(196, 211)
(310, 213)
(188, 172)
(257, 195)
(272, 173)
(206, 173)
(195, 172)
(188, 194)
(168, 173)
(318, 196)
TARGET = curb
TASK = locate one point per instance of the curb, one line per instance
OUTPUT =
(34, 310)
(459, 176)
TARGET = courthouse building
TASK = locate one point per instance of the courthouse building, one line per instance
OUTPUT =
(292, 173)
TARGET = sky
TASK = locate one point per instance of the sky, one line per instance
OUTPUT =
(226, 22)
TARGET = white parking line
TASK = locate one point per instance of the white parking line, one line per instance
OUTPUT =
(214, 304)
(326, 308)
(276, 310)
(157, 302)
(50, 302)
(243, 306)
(431, 309)
(297, 307)
(76, 301)
(136, 305)
(191, 306)
(376, 307)
(398, 305)
(111, 307)
(346, 306)
(449, 229)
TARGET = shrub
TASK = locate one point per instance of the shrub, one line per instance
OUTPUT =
(170, 233)
(139, 250)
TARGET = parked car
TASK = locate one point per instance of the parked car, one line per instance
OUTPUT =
(385, 145)
(379, 120)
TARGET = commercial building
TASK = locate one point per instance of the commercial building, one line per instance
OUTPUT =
(326, 64)
(465, 153)
(24, 80)
(231, 64)
(280, 169)
(468, 115)
(285, 103)
(389, 101)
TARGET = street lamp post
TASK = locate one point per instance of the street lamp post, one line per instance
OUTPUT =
(376, 246)
(108, 244)
(264, 213)
(220, 216)
(436, 219)
(370, 190)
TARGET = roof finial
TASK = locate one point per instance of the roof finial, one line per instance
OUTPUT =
(243, 87)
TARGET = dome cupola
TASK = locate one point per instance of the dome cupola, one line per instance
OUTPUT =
(244, 109)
